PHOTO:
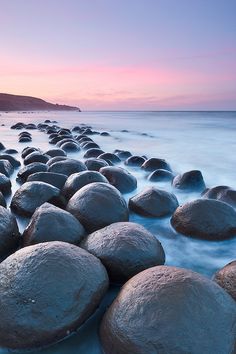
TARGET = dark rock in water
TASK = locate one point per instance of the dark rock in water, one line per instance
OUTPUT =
(83, 139)
(65, 140)
(31, 126)
(78, 180)
(125, 249)
(35, 156)
(5, 184)
(70, 146)
(90, 145)
(160, 175)
(169, 310)
(2, 147)
(25, 139)
(190, 181)
(123, 155)
(28, 151)
(18, 126)
(134, 161)
(2, 200)
(93, 153)
(54, 140)
(58, 287)
(108, 156)
(9, 233)
(226, 278)
(67, 167)
(33, 194)
(30, 169)
(97, 205)
(11, 159)
(56, 159)
(153, 164)
(11, 151)
(54, 179)
(153, 202)
(205, 219)
(6, 168)
(104, 134)
(94, 164)
(50, 223)
(55, 152)
(24, 134)
(222, 193)
(120, 178)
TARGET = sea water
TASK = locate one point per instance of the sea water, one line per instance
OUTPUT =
(187, 140)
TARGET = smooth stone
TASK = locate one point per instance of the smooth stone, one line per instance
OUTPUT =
(2, 200)
(135, 161)
(153, 202)
(15, 163)
(160, 175)
(6, 168)
(11, 151)
(123, 155)
(226, 278)
(5, 184)
(55, 179)
(70, 146)
(35, 157)
(206, 219)
(90, 145)
(30, 169)
(78, 180)
(120, 178)
(190, 181)
(93, 153)
(94, 164)
(28, 151)
(33, 194)
(125, 249)
(2, 147)
(97, 205)
(50, 223)
(56, 159)
(59, 286)
(153, 164)
(104, 134)
(169, 310)
(25, 139)
(9, 233)
(67, 167)
(55, 152)
(108, 156)
(222, 193)
(64, 140)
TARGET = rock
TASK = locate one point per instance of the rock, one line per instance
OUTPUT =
(11, 151)
(55, 179)
(33, 194)
(222, 193)
(160, 175)
(5, 184)
(9, 233)
(2, 147)
(226, 278)
(70, 146)
(120, 178)
(109, 157)
(15, 163)
(169, 310)
(134, 161)
(58, 287)
(93, 153)
(28, 151)
(78, 180)
(30, 169)
(205, 219)
(6, 168)
(55, 152)
(2, 200)
(190, 181)
(90, 145)
(153, 202)
(153, 164)
(50, 223)
(97, 205)
(25, 139)
(125, 249)
(67, 167)
(35, 156)
(123, 155)
(104, 134)
(56, 159)
(94, 164)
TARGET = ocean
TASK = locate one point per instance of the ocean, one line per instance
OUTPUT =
(187, 140)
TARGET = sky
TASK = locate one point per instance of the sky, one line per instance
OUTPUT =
(121, 54)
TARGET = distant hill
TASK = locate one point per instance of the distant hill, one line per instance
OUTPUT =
(26, 103)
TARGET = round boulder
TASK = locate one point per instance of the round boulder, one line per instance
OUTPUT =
(160, 175)
(55, 152)
(134, 161)
(94, 152)
(226, 278)
(109, 157)
(6, 168)
(94, 164)
(5, 184)
(207, 219)
(30, 169)
(169, 310)
(55, 179)
(35, 157)
(153, 202)
(50, 223)
(9, 233)
(120, 178)
(58, 287)
(222, 193)
(67, 167)
(97, 205)
(190, 181)
(125, 249)
(153, 164)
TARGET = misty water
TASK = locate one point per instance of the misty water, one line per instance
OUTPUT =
(187, 140)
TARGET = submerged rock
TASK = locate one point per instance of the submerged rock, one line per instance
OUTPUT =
(226, 278)
(125, 249)
(169, 310)
(58, 287)
(205, 219)
(153, 202)
(97, 205)
(190, 181)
